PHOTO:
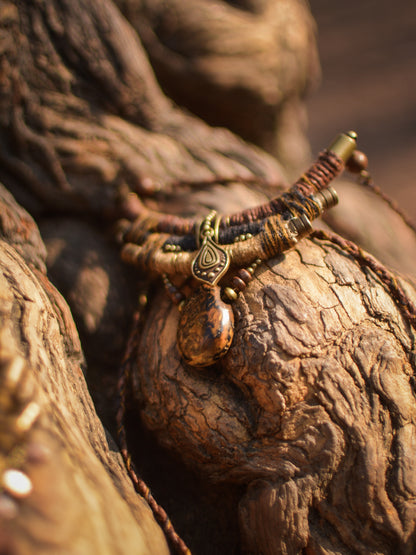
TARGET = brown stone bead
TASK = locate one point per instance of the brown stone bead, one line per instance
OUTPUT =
(244, 275)
(206, 327)
(238, 283)
(178, 297)
(357, 162)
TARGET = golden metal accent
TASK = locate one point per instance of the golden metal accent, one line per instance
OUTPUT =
(28, 417)
(16, 483)
(230, 293)
(344, 145)
(211, 261)
(326, 198)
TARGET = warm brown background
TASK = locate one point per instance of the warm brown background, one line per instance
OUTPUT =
(368, 56)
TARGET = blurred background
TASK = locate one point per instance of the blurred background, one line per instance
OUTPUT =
(367, 51)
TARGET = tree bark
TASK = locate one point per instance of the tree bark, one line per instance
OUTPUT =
(82, 499)
(312, 408)
(242, 65)
(304, 431)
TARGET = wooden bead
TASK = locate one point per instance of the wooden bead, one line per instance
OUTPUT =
(357, 162)
(178, 297)
(244, 275)
(238, 283)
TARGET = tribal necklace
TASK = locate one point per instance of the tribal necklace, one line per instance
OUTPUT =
(220, 254)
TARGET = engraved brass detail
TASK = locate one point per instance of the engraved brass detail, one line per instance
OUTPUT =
(211, 261)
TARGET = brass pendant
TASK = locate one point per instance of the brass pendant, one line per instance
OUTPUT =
(210, 263)
(206, 327)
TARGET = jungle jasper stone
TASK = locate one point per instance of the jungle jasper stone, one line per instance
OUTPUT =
(206, 327)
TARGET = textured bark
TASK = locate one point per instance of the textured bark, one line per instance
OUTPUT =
(312, 408)
(243, 65)
(307, 424)
(83, 119)
(82, 499)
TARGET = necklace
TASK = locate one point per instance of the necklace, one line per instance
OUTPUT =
(207, 253)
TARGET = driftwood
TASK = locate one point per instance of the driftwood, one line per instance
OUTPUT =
(302, 437)
(75, 472)
(243, 65)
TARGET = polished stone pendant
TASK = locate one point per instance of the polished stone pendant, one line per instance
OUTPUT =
(206, 327)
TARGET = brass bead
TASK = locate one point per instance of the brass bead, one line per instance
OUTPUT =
(230, 294)
(344, 145)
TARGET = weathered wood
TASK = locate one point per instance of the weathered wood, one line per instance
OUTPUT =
(371, 223)
(307, 423)
(243, 65)
(83, 119)
(82, 499)
(312, 407)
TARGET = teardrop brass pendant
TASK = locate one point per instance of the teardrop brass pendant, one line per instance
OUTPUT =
(206, 327)
(211, 262)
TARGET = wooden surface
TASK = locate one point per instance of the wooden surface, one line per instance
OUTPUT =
(316, 396)
(368, 56)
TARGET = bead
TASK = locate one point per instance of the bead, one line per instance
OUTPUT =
(238, 283)
(357, 162)
(175, 295)
(231, 294)
(27, 417)
(178, 297)
(38, 453)
(16, 483)
(8, 507)
(142, 300)
(244, 275)
(206, 327)
(14, 372)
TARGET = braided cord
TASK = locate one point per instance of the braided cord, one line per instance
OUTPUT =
(318, 177)
(366, 180)
(177, 544)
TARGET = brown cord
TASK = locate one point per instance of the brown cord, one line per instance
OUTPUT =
(175, 541)
(318, 177)
(365, 259)
(366, 180)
